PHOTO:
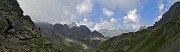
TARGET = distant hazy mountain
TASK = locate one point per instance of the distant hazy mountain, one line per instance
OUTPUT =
(80, 39)
(142, 27)
(112, 33)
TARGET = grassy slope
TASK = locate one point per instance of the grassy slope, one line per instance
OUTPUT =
(145, 40)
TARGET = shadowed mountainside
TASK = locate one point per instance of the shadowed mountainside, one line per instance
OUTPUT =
(164, 36)
(18, 32)
(71, 38)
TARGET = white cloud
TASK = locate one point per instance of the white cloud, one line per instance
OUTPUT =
(52, 11)
(113, 20)
(171, 2)
(159, 17)
(162, 9)
(56, 11)
(85, 7)
(122, 4)
(108, 12)
(132, 20)
(104, 24)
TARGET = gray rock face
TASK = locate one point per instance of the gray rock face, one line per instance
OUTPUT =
(78, 35)
(16, 28)
(73, 24)
(15, 40)
(76, 32)
(3, 25)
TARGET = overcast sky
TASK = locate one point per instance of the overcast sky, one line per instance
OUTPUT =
(98, 14)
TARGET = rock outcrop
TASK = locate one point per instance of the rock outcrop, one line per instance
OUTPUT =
(18, 33)
(73, 24)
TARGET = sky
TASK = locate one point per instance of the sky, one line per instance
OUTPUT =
(98, 14)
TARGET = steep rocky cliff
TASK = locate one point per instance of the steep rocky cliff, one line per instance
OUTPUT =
(18, 33)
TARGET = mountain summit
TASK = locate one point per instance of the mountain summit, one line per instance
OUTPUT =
(73, 24)
(80, 39)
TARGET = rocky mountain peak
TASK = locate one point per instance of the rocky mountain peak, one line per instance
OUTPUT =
(73, 24)
(83, 26)
(96, 32)
(142, 27)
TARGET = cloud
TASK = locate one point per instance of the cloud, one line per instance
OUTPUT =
(159, 17)
(113, 20)
(162, 9)
(108, 12)
(85, 7)
(56, 11)
(171, 2)
(52, 11)
(132, 20)
(104, 24)
(122, 4)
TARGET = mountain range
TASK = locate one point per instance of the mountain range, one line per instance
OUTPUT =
(80, 39)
